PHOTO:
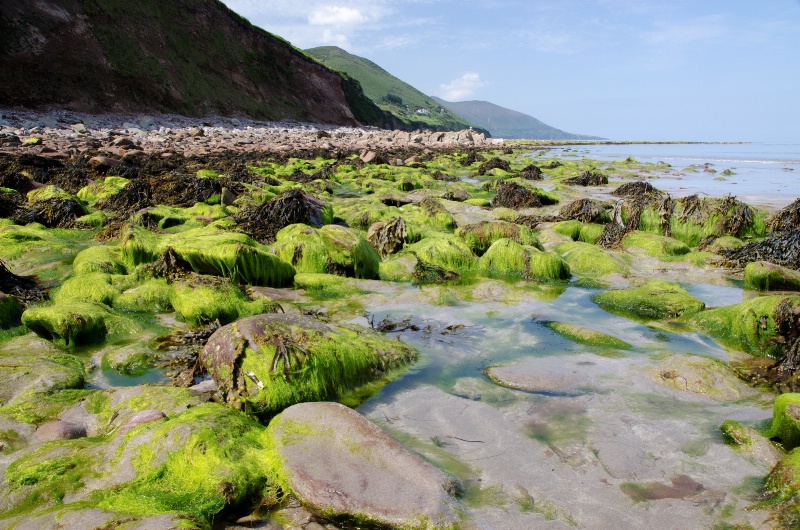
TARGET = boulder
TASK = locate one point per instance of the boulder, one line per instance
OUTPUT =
(654, 300)
(340, 464)
(103, 164)
(59, 430)
(269, 362)
(388, 237)
(29, 364)
(508, 258)
(766, 276)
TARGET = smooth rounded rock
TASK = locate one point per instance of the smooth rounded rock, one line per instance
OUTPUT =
(340, 464)
(59, 430)
(140, 418)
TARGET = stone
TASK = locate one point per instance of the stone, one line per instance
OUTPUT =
(766, 276)
(227, 197)
(103, 164)
(145, 122)
(140, 418)
(59, 430)
(368, 157)
(79, 128)
(343, 465)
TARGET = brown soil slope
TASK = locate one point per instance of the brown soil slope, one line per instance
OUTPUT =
(190, 57)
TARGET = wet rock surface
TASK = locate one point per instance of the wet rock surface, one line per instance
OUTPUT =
(348, 467)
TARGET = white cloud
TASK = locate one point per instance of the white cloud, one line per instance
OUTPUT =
(461, 87)
(336, 16)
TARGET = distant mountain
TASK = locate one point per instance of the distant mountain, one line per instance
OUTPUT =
(190, 57)
(507, 123)
(390, 93)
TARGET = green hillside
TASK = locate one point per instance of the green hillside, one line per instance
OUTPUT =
(507, 123)
(390, 93)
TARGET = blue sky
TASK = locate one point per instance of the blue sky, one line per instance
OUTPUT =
(622, 69)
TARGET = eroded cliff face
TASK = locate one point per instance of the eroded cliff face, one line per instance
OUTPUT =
(191, 57)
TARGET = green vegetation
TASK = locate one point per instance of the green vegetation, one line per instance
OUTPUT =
(654, 300)
(391, 94)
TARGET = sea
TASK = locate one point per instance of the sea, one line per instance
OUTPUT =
(765, 174)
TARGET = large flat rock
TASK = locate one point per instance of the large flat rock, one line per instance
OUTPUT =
(340, 464)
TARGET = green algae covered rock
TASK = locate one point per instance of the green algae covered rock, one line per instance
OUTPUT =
(153, 295)
(350, 253)
(76, 323)
(510, 259)
(586, 336)
(766, 276)
(447, 252)
(331, 249)
(158, 457)
(98, 258)
(785, 424)
(783, 488)
(200, 300)
(10, 311)
(587, 260)
(266, 363)
(571, 229)
(95, 287)
(752, 326)
(750, 442)
(93, 193)
(591, 232)
(211, 251)
(654, 300)
(30, 365)
(654, 245)
(480, 236)
(701, 377)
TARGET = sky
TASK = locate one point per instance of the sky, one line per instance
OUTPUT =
(698, 70)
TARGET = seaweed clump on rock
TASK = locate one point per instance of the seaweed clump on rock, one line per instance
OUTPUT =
(515, 196)
(290, 207)
(494, 163)
(531, 172)
(585, 211)
(52, 212)
(588, 178)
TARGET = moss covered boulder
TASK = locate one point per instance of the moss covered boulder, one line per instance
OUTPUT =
(332, 249)
(587, 336)
(755, 326)
(749, 441)
(785, 426)
(447, 252)
(587, 260)
(480, 236)
(95, 287)
(200, 300)
(266, 363)
(341, 465)
(77, 323)
(98, 258)
(654, 300)
(29, 365)
(766, 276)
(654, 245)
(212, 251)
(158, 457)
(510, 259)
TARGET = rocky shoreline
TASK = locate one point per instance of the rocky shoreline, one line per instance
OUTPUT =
(232, 262)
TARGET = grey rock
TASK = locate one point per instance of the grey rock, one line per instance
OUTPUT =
(368, 157)
(140, 418)
(104, 163)
(348, 466)
(79, 128)
(59, 430)
(204, 388)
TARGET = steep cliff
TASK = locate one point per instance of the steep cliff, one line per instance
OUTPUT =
(190, 57)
